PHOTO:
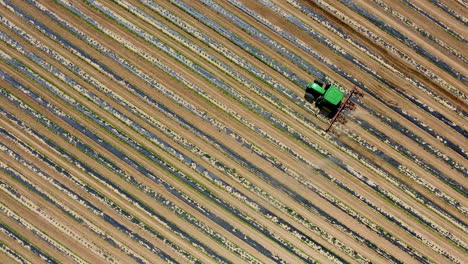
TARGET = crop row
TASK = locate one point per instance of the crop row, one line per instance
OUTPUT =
(76, 216)
(421, 142)
(150, 80)
(127, 196)
(337, 31)
(296, 59)
(21, 240)
(27, 225)
(436, 172)
(410, 43)
(41, 63)
(213, 79)
(89, 189)
(13, 254)
(422, 31)
(287, 73)
(147, 118)
(450, 11)
(76, 197)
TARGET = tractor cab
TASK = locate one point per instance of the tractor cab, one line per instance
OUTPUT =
(326, 97)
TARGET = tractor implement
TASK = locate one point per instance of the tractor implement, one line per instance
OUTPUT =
(330, 100)
(342, 106)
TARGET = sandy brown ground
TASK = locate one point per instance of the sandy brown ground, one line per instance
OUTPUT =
(247, 133)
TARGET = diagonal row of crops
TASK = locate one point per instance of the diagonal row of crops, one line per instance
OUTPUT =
(141, 131)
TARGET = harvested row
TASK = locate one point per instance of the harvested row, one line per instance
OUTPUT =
(359, 28)
(451, 11)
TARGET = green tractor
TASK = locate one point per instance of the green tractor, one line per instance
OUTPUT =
(327, 97)
(331, 101)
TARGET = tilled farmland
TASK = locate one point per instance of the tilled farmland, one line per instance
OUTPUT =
(176, 131)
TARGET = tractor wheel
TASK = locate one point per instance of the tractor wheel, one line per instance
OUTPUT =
(319, 82)
(309, 97)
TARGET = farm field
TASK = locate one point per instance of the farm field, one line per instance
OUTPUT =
(176, 131)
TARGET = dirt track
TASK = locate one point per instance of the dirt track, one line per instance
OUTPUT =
(203, 155)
